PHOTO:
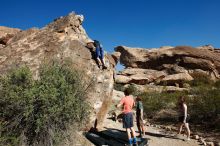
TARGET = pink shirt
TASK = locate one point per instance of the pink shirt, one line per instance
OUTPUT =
(127, 103)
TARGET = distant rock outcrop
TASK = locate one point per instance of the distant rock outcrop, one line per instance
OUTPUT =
(6, 34)
(61, 39)
(138, 76)
(167, 65)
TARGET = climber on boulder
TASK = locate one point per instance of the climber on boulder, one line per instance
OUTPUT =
(99, 54)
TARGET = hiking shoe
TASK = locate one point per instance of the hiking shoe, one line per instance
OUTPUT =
(99, 66)
(104, 67)
(186, 139)
(177, 136)
(135, 142)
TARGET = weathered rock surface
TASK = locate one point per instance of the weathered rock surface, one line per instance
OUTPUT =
(210, 144)
(138, 76)
(169, 79)
(117, 95)
(170, 65)
(154, 58)
(6, 34)
(61, 39)
(157, 88)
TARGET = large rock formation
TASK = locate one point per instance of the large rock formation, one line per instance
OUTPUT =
(63, 38)
(138, 76)
(167, 65)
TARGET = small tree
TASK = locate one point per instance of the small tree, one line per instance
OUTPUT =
(41, 110)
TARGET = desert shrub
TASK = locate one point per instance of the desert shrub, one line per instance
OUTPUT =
(41, 110)
(154, 102)
(132, 89)
(200, 80)
(217, 84)
(204, 99)
(15, 104)
(119, 87)
(204, 103)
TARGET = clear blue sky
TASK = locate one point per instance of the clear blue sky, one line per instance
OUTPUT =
(135, 23)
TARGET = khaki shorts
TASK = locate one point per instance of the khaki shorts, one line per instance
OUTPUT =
(139, 121)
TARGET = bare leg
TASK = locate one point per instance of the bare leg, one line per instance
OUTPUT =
(139, 129)
(180, 128)
(188, 130)
(99, 61)
(133, 132)
(128, 133)
(143, 129)
(103, 62)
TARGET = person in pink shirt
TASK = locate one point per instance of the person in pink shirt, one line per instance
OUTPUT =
(128, 103)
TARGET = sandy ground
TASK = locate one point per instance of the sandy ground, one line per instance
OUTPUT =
(156, 136)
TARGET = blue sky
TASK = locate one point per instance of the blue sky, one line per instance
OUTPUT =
(134, 23)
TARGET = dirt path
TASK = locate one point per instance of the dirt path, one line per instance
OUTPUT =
(157, 137)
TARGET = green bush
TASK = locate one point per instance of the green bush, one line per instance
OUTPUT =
(203, 103)
(41, 110)
(119, 87)
(132, 89)
(217, 84)
(155, 102)
(200, 79)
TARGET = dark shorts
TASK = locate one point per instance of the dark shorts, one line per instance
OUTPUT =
(99, 53)
(181, 119)
(128, 120)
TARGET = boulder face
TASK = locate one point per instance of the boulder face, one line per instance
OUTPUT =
(62, 39)
(6, 34)
(170, 65)
(138, 76)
